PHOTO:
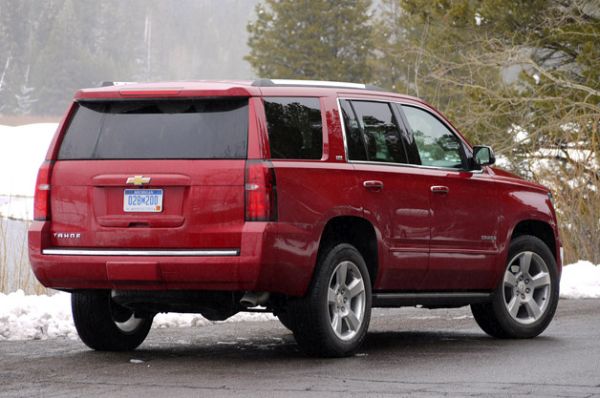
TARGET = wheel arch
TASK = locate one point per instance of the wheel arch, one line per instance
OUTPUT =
(541, 230)
(356, 231)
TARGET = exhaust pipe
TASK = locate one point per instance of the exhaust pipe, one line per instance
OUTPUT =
(252, 299)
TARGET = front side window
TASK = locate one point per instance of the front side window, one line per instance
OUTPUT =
(295, 127)
(380, 132)
(437, 145)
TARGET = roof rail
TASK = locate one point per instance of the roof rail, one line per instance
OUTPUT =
(312, 83)
(108, 84)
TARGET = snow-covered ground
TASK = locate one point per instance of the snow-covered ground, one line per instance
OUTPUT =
(25, 317)
(22, 317)
(22, 150)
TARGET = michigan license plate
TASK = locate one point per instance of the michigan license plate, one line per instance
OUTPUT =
(143, 200)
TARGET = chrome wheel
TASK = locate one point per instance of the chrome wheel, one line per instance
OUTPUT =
(130, 325)
(124, 318)
(346, 300)
(526, 287)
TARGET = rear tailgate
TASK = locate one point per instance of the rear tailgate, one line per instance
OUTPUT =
(141, 174)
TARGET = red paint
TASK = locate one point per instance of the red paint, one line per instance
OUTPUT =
(428, 239)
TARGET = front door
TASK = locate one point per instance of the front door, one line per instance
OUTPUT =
(463, 205)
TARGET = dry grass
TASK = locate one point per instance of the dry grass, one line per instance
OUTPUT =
(15, 272)
(20, 120)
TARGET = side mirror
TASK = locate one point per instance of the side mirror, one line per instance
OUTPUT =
(483, 155)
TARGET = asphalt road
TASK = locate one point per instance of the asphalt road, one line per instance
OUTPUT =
(408, 352)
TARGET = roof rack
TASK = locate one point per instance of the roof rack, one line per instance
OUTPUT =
(108, 84)
(312, 83)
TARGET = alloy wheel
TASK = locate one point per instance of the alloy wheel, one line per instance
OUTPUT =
(346, 300)
(526, 287)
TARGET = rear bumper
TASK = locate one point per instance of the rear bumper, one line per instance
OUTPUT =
(261, 263)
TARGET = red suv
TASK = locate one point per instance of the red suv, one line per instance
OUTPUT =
(312, 200)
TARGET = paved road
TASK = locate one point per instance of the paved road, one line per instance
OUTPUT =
(421, 353)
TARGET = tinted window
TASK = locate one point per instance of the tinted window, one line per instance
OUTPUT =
(295, 127)
(354, 136)
(437, 145)
(380, 132)
(184, 129)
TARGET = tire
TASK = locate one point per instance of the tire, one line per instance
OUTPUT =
(106, 326)
(525, 300)
(333, 318)
(286, 320)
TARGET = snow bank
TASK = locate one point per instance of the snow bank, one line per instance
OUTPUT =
(580, 280)
(24, 317)
(41, 317)
(35, 317)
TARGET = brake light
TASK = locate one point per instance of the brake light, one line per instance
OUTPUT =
(41, 200)
(260, 190)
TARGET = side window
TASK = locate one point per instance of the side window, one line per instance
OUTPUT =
(380, 132)
(295, 127)
(354, 136)
(437, 145)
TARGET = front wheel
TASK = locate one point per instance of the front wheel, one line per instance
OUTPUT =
(104, 325)
(526, 298)
(333, 318)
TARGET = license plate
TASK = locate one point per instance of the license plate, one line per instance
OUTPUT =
(143, 200)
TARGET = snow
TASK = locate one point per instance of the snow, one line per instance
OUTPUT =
(22, 150)
(31, 317)
(24, 317)
(580, 280)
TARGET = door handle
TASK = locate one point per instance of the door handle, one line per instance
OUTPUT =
(439, 189)
(373, 185)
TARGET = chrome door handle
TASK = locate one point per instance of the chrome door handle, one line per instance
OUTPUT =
(373, 185)
(439, 189)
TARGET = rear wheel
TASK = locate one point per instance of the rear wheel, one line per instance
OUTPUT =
(333, 318)
(526, 298)
(106, 326)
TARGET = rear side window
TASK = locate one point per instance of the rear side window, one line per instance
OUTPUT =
(295, 127)
(354, 136)
(380, 132)
(157, 129)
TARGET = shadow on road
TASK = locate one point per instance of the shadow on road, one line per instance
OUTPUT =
(249, 350)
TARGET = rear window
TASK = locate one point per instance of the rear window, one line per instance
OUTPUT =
(295, 127)
(174, 129)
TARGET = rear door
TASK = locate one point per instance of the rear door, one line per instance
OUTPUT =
(151, 174)
(394, 197)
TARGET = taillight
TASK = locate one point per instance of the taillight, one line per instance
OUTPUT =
(261, 195)
(41, 200)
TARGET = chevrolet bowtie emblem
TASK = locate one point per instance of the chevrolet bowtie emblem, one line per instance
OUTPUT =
(138, 180)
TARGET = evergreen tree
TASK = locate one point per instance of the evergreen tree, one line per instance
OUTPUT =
(67, 44)
(520, 75)
(311, 39)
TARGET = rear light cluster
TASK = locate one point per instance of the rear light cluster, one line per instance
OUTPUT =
(41, 200)
(260, 190)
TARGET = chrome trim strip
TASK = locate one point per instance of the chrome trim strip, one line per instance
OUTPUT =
(176, 253)
(414, 166)
(339, 105)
